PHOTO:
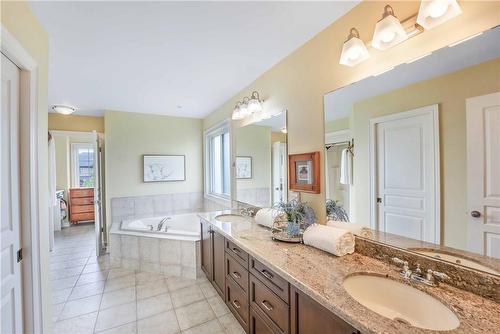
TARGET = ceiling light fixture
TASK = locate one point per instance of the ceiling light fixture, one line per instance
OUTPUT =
(354, 50)
(434, 12)
(63, 109)
(388, 31)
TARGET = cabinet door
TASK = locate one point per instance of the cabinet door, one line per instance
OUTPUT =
(308, 316)
(219, 274)
(206, 249)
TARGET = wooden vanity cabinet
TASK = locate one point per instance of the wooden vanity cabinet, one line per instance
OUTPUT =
(212, 257)
(308, 316)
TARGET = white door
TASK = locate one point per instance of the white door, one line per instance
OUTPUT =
(11, 316)
(334, 189)
(280, 175)
(483, 174)
(97, 193)
(406, 174)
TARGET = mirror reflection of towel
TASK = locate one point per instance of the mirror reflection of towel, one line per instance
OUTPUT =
(345, 167)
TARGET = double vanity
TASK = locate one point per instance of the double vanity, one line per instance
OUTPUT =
(275, 287)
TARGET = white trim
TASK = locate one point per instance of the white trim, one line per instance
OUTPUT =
(338, 136)
(32, 288)
(434, 111)
(74, 133)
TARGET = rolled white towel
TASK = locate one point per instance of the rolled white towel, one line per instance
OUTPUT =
(330, 239)
(355, 228)
(266, 216)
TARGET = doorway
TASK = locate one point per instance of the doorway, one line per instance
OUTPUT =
(483, 178)
(405, 174)
(79, 166)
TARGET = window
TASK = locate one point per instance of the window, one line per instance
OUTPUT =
(83, 165)
(217, 158)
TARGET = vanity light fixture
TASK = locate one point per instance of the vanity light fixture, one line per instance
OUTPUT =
(434, 12)
(63, 109)
(388, 31)
(244, 107)
(354, 50)
(255, 104)
(236, 112)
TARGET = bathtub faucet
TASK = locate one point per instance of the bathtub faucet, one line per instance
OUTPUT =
(160, 224)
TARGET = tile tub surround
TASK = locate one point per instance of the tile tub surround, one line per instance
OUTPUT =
(170, 257)
(320, 275)
(478, 282)
(157, 205)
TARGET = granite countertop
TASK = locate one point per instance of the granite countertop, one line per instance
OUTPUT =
(320, 275)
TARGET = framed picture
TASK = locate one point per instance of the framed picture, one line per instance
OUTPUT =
(243, 167)
(164, 168)
(304, 172)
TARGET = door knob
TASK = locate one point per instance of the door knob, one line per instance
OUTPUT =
(475, 214)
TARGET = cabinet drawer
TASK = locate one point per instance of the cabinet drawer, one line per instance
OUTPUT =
(82, 201)
(240, 255)
(81, 192)
(265, 300)
(82, 208)
(75, 217)
(237, 272)
(258, 325)
(237, 301)
(270, 279)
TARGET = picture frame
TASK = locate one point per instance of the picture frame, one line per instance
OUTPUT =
(304, 172)
(164, 168)
(243, 167)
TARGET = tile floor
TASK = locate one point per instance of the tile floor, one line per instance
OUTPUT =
(90, 296)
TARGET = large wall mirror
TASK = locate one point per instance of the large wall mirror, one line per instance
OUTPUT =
(261, 160)
(414, 153)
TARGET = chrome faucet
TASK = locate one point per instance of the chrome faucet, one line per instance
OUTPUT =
(160, 224)
(417, 275)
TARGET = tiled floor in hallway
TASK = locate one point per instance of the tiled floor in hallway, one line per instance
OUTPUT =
(89, 296)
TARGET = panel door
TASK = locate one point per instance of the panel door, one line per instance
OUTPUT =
(11, 309)
(206, 249)
(483, 174)
(406, 168)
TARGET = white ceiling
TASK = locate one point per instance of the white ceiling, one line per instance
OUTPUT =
(338, 104)
(152, 57)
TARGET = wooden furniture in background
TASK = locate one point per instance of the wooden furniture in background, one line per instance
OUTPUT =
(81, 204)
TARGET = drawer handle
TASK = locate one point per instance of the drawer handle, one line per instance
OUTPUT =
(236, 304)
(236, 274)
(236, 250)
(267, 305)
(267, 274)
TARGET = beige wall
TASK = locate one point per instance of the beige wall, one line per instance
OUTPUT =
(20, 21)
(450, 92)
(255, 141)
(131, 135)
(337, 125)
(75, 123)
(300, 80)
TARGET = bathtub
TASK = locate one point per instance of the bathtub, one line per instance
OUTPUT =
(173, 249)
(184, 226)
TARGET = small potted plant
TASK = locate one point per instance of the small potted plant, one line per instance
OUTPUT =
(336, 212)
(294, 218)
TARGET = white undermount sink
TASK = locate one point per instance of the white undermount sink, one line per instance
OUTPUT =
(400, 302)
(233, 218)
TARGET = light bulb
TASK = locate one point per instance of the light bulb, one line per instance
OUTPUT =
(353, 54)
(437, 9)
(388, 36)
